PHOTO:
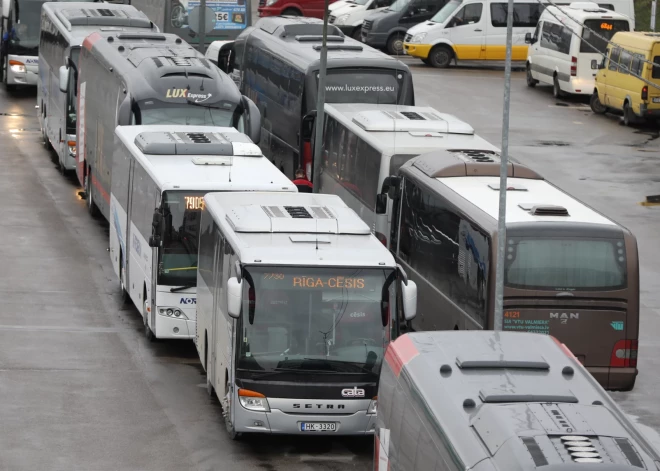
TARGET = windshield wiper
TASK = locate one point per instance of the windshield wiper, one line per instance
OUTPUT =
(341, 365)
(181, 288)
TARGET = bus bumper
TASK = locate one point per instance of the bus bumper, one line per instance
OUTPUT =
(278, 422)
(25, 75)
(614, 379)
(173, 328)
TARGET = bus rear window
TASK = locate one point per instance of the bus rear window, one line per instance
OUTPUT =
(378, 86)
(656, 68)
(603, 28)
(565, 264)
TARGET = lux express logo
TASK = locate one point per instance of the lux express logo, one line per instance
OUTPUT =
(185, 93)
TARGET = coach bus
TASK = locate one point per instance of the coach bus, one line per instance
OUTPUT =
(160, 176)
(64, 27)
(229, 19)
(297, 304)
(365, 143)
(276, 64)
(495, 401)
(569, 271)
(146, 78)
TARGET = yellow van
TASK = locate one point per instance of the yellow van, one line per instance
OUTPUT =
(618, 86)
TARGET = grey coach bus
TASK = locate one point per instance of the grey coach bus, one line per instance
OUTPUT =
(498, 401)
(569, 271)
(276, 63)
(148, 78)
(64, 27)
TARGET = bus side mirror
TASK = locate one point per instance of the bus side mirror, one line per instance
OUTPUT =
(252, 120)
(124, 111)
(409, 300)
(308, 125)
(226, 57)
(390, 186)
(154, 241)
(64, 78)
(234, 298)
(156, 222)
(381, 203)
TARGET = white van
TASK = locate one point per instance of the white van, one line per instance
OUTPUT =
(349, 17)
(564, 51)
(472, 30)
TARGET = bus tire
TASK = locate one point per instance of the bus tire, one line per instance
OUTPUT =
(596, 105)
(145, 314)
(441, 56)
(209, 385)
(122, 285)
(228, 424)
(395, 44)
(531, 82)
(291, 12)
(91, 205)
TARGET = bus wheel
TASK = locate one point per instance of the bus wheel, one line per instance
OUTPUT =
(596, 105)
(441, 56)
(91, 205)
(395, 44)
(209, 384)
(122, 284)
(226, 412)
(147, 330)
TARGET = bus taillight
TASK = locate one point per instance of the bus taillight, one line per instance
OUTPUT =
(573, 66)
(624, 354)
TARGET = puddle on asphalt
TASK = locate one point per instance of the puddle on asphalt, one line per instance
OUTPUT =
(554, 143)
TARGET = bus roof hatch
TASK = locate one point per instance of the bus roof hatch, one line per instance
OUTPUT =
(103, 17)
(422, 119)
(468, 163)
(196, 143)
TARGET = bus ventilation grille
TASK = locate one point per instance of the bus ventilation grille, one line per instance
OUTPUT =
(549, 211)
(412, 115)
(181, 61)
(198, 137)
(535, 450)
(298, 212)
(106, 12)
(479, 155)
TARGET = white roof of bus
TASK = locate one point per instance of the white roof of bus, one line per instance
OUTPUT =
(180, 172)
(282, 240)
(539, 192)
(79, 32)
(412, 142)
(578, 12)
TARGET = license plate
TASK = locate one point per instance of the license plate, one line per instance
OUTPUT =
(656, 99)
(318, 427)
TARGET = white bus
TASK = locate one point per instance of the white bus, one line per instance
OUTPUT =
(363, 144)
(160, 175)
(64, 27)
(297, 305)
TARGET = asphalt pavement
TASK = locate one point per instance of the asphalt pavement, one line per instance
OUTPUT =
(81, 387)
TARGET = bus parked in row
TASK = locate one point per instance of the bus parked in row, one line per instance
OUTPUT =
(276, 63)
(297, 303)
(146, 78)
(569, 271)
(363, 144)
(494, 401)
(64, 27)
(160, 175)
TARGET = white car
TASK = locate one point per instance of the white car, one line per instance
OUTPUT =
(351, 14)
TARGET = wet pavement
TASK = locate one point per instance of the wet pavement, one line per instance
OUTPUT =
(83, 389)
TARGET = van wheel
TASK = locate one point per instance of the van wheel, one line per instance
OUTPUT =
(395, 44)
(628, 117)
(440, 56)
(530, 80)
(291, 12)
(596, 105)
(556, 91)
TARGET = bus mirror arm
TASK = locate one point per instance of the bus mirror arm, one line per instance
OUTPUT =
(124, 112)
(381, 203)
(390, 186)
(409, 300)
(402, 274)
(234, 290)
(64, 78)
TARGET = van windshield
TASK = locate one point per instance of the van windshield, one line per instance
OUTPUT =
(603, 28)
(565, 264)
(446, 11)
(158, 112)
(377, 86)
(398, 5)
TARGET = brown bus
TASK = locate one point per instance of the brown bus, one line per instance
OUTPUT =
(570, 272)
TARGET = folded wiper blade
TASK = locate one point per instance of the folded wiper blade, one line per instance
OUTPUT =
(181, 288)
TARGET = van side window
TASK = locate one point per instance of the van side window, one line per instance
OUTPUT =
(636, 68)
(624, 61)
(656, 68)
(525, 15)
(614, 59)
(556, 38)
(469, 14)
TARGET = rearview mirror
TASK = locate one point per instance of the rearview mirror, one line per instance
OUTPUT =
(234, 298)
(156, 221)
(528, 38)
(64, 78)
(390, 186)
(409, 300)
(154, 241)
(381, 203)
(252, 120)
(226, 57)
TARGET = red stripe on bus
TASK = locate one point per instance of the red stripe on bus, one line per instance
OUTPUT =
(400, 352)
(99, 187)
(90, 40)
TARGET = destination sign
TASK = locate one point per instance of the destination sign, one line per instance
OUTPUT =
(310, 282)
(194, 203)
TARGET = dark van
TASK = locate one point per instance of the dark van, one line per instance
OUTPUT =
(386, 28)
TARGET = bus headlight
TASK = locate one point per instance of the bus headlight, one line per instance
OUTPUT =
(252, 400)
(172, 312)
(373, 406)
(17, 67)
(418, 38)
(72, 148)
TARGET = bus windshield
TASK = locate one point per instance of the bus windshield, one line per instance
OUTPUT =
(24, 34)
(565, 264)
(446, 11)
(193, 114)
(378, 86)
(315, 320)
(177, 256)
(604, 30)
